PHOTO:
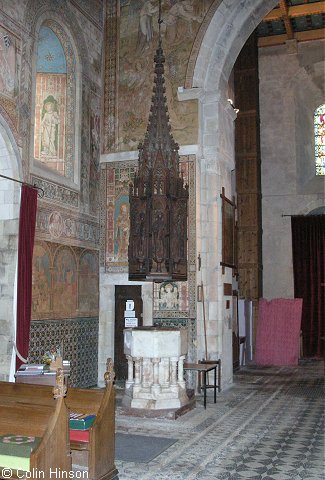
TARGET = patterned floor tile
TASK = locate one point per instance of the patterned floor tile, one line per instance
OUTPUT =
(268, 426)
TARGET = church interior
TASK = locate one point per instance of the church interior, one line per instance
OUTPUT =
(162, 170)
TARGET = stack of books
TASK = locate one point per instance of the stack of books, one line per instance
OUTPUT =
(80, 424)
(32, 369)
(41, 369)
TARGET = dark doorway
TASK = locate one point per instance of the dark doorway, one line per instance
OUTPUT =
(122, 294)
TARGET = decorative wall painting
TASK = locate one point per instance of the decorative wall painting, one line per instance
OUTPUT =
(50, 101)
(7, 63)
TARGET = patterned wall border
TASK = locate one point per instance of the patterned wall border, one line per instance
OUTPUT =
(111, 61)
(57, 193)
(80, 345)
(65, 227)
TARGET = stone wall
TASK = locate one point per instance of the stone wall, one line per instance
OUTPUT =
(291, 88)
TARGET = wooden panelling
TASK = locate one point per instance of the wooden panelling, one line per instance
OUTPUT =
(227, 289)
(246, 126)
(249, 173)
(248, 183)
(247, 208)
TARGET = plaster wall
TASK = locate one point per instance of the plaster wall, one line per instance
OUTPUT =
(291, 88)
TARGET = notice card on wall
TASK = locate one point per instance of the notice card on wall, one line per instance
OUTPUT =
(131, 322)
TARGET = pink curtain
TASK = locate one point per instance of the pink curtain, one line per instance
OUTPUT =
(278, 331)
(27, 221)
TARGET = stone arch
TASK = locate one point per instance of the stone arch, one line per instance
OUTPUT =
(70, 102)
(10, 166)
(58, 11)
(228, 30)
(317, 211)
(230, 26)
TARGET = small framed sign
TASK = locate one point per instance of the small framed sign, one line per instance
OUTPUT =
(131, 322)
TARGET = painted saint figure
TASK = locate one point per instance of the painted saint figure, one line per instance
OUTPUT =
(49, 130)
(122, 231)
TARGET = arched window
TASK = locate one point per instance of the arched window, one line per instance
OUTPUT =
(55, 101)
(319, 133)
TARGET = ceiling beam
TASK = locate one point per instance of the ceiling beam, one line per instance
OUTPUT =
(287, 23)
(317, 34)
(296, 11)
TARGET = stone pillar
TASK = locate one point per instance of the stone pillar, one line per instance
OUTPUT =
(155, 387)
(181, 381)
(130, 381)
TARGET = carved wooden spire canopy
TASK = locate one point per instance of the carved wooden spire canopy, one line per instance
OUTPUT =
(158, 197)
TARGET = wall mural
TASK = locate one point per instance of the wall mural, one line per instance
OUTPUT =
(64, 286)
(118, 177)
(138, 42)
(65, 281)
(55, 100)
(88, 282)
(50, 101)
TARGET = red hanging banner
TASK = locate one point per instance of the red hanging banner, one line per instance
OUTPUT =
(27, 222)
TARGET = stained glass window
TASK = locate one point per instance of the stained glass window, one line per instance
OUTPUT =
(319, 132)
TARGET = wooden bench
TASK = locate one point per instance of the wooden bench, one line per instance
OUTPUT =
(49, 422)
(99, 453)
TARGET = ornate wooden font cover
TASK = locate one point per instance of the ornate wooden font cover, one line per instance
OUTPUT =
(158, 197)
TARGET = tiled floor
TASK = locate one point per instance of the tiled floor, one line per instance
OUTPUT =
(269, 425)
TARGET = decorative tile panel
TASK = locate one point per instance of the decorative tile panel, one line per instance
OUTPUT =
(79, 339)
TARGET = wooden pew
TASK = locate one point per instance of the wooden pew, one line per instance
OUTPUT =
(99, 453)
(49, 422)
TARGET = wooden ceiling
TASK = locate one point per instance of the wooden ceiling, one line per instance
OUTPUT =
(300, 20)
